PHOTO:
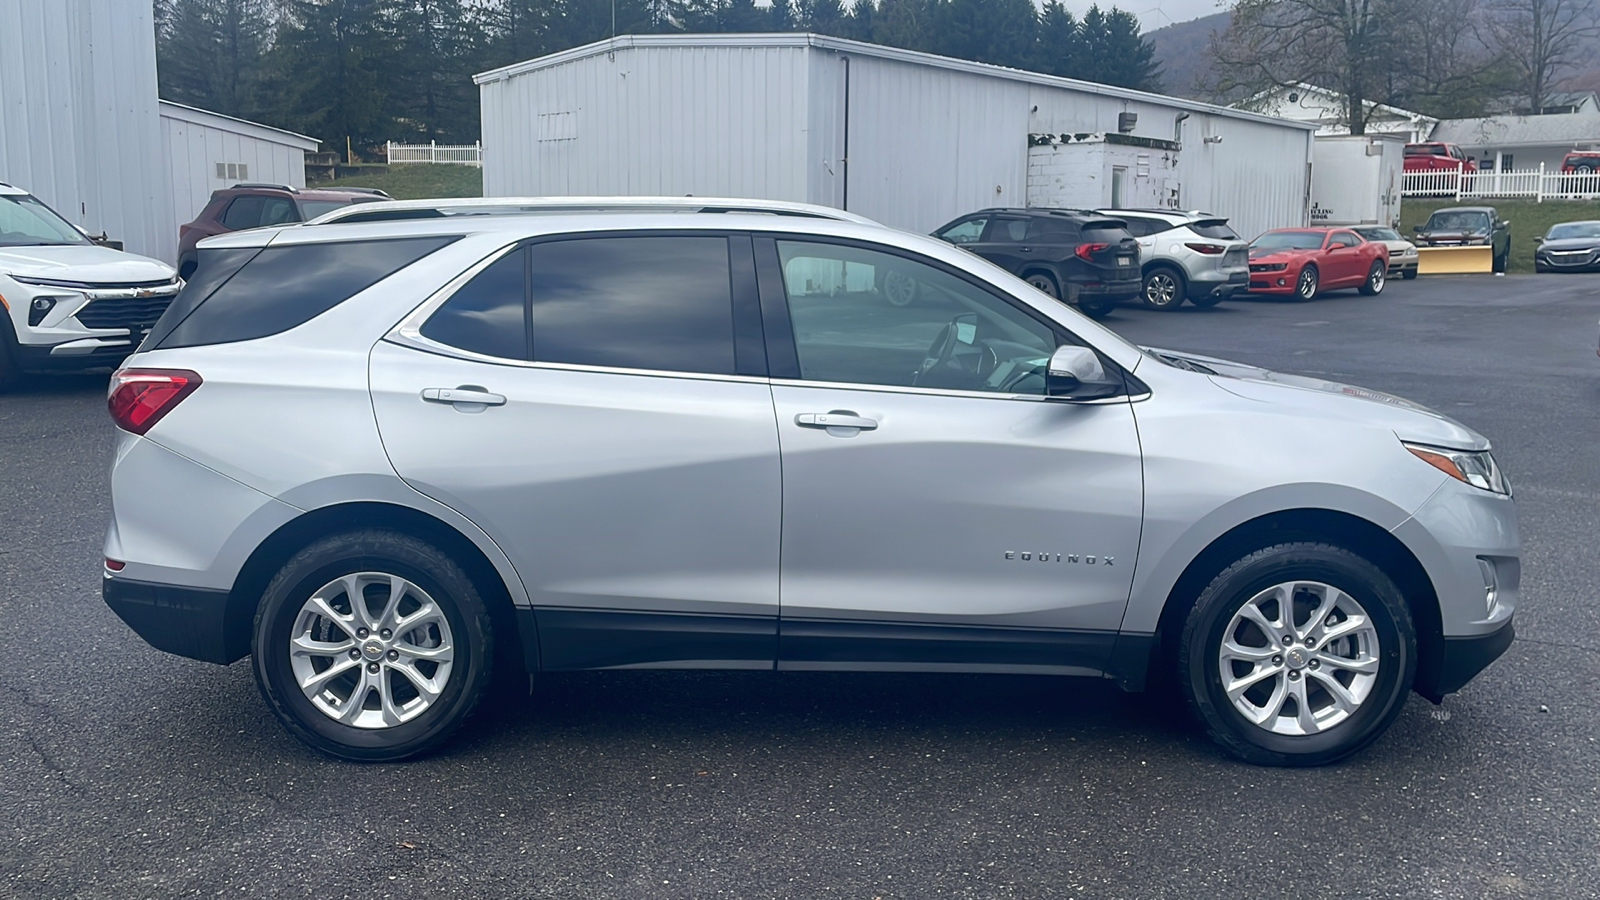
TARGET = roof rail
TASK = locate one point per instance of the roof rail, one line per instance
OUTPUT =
(359, 190)
(261, 184)
(394, 210)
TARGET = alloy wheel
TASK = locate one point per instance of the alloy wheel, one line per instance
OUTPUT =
(1299, 658)
(1043, 283)
(371, 650)
(1161, 290)
(1305, 287)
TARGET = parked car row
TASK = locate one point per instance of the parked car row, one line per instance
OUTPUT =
(1434, 156)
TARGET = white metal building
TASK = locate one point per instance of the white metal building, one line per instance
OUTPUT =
(78, 121)
(907, 138)
(206, 151)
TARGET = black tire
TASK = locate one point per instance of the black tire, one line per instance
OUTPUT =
(896, 287)
(1163, 288)
(445, 583)
(1376, 278)
(1409, 274)
(10, 368)
(1303, 291)
(1044, 282)
(1200, 669)
(1499, 263)
(1096, 307)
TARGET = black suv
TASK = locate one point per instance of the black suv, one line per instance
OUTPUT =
(1084, 258)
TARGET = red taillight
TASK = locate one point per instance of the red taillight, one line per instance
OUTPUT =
(1084, 250)
(140, 397)
(1207, 249)
(115, 565)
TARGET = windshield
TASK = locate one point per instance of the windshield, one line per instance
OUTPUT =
(1569, 230)
(1457, 221)
(25, 222)
(1380, 234)
(1288, 240)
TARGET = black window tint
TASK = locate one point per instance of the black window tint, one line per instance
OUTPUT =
(657, 302)
(1100, 234)
(488, 314)
(282, 287)
(243, 212)
(213, 267)
(1052, 230)
(277, 211)
(1217, 231)
(1008, 231)
(1141, 227)
(1343, 239)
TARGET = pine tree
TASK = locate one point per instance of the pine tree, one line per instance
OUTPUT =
(1060, 42)
(823, 16)
(904, 23)
(1129, 58)
(436, 99)
(209, 53)
(334, 66)
(1003, 32)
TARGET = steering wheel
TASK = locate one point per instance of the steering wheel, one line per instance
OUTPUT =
(941, 368)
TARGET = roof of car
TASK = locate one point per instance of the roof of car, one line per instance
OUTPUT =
(1482, 209)
(457, 207)
(328, 193)
(1183, 215)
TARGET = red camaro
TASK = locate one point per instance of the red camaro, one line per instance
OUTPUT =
(1302, 262)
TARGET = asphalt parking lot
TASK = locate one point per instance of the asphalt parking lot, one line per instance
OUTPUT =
(129, 773)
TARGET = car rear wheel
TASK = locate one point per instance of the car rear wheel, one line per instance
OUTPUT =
(1164, 288)
(1297, 655)
(1044, 282)
(1305, 285)
(1375, 280)
(897, 287)
(1409, 274)
(372, 646)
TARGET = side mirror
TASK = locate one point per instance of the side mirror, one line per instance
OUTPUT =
(1538, 240)
(1075, 373)
(1417, 228)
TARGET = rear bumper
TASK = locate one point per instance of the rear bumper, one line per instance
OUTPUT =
(200, 623)
(1218, 284)
(1115, 290)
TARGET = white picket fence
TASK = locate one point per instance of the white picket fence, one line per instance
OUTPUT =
(1532, 184)
(433, 152)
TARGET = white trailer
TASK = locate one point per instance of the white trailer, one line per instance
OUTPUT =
(1355, 179)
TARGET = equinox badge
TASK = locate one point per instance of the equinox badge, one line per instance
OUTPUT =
(1028, 555)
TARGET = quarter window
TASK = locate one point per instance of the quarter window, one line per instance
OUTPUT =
(863, 316)
(488, 314)
(653, 302)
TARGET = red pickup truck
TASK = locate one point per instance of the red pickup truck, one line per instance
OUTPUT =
(1435, 155)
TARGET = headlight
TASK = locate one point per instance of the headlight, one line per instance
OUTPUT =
(1476, 468)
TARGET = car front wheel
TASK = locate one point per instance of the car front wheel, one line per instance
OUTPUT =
(372, 646)
(1298, 654)
(1305, 284)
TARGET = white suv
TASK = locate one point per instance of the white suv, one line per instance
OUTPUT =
(1190, 256)
(68, 302)
(387, 458)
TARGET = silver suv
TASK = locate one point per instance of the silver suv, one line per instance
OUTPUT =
(388, 459)
(1192, 256)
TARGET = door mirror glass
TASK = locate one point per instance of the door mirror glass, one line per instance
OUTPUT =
(1075, 373)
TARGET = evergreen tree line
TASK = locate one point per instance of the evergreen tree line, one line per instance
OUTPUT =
(377, 70)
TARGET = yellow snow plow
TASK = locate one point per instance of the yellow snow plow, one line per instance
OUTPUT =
(1455, 260)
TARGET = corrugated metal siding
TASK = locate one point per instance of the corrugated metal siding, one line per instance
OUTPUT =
(78, 120)
(193, 151)
(927, 145)
(651, 121)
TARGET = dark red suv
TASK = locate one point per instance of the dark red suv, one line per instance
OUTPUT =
(253, 205)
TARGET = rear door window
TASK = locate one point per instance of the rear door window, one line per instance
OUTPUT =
(1008, 230)
(244, 212)
(281, 287)
(660, 302)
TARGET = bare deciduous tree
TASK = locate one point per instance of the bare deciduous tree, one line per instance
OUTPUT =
(1543, 40)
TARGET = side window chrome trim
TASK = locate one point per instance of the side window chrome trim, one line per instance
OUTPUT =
(947, 392)
(414, 340)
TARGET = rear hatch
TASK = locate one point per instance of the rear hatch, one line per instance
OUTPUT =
(1109, 249)
(1217, 240)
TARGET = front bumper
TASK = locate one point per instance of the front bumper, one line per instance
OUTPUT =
(1280, 282)
(85, 326)
(1460, 659)
(1560, 262)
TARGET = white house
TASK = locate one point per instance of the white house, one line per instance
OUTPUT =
(910, 139)
(1504, 143)
(1326, 109)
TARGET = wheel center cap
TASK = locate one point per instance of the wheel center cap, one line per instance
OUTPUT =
(1297, 658)
(372, 649)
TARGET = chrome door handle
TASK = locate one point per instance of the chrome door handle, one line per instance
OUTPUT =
(467, 393)
(835, 420)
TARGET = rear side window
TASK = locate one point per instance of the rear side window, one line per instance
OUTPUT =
(488, 314)
(1008, 231)
(650, 302)
(1217, 231)
(243, 212)
(281, 287)
(1051, 230)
